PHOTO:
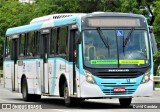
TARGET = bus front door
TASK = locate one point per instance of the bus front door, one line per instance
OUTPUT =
(73, 57)
(14, 57)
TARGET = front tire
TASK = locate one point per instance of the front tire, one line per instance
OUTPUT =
(125, 101)
(67, 99)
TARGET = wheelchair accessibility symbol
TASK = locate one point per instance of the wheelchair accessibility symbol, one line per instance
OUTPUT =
(120, 33)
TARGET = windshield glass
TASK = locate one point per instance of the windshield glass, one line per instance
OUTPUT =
(115, 48)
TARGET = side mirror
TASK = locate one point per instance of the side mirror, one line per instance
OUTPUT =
(154, 44)
(78, 37)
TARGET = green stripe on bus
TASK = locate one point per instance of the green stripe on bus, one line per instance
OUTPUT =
(104, 61)
(131, 62)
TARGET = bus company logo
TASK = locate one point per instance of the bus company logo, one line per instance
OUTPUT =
(20, 106)
(118, 70)
(6, 106)
(128, 81)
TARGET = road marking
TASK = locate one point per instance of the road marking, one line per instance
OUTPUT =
(60, 110)
(10, 101)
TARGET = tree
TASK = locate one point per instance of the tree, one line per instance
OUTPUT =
(13, 14)
(156, 23)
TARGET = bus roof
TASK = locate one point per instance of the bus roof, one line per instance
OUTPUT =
(114, 14)
(54, 17)
(60, 19)
(42, 25)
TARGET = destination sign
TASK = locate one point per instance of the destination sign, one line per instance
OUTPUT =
(113, 22)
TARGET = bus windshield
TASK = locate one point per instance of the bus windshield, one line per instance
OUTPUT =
(103, 48)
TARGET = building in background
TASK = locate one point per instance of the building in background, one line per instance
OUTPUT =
(27, 1)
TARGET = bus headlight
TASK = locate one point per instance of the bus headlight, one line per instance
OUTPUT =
(146, 77)
(89, 77)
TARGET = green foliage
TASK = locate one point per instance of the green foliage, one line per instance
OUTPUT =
(14, 13)
(157, 85)
(157, 19)
(156, 26)
(66, 6)
(41, 8)
(156, 63)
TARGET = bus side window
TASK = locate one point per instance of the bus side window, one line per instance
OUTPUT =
(22, 45)
(36, 43)
(53, 41)
(30, 44)
(62, 41)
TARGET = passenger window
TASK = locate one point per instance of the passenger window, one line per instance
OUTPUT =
(53, 41)
(22, 45)
(37, 43)
(62, 40)
(30, 44)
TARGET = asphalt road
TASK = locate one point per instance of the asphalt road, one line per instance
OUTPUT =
(95, 105)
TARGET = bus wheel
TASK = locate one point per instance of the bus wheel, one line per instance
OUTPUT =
(125, 101)
(67, 99)
(25, 95)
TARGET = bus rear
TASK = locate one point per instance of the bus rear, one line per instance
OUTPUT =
(116, 59)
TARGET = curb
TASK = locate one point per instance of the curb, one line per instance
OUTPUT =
(157, 89)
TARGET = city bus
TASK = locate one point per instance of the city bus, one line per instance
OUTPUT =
(80, 56)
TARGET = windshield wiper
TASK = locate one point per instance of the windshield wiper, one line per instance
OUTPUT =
(127, 39)
(103, 39)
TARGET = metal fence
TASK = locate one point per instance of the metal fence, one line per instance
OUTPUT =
(156, 78)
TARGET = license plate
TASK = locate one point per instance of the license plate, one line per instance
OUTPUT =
(119, 89)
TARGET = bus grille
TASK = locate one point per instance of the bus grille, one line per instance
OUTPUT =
(115, 75)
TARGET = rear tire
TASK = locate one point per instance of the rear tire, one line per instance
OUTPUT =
(125, 101)
(25, 95)
(67, 99)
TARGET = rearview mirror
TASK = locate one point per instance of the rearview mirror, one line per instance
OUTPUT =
(154, 44)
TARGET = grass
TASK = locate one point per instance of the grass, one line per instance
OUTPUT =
(157, 85)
